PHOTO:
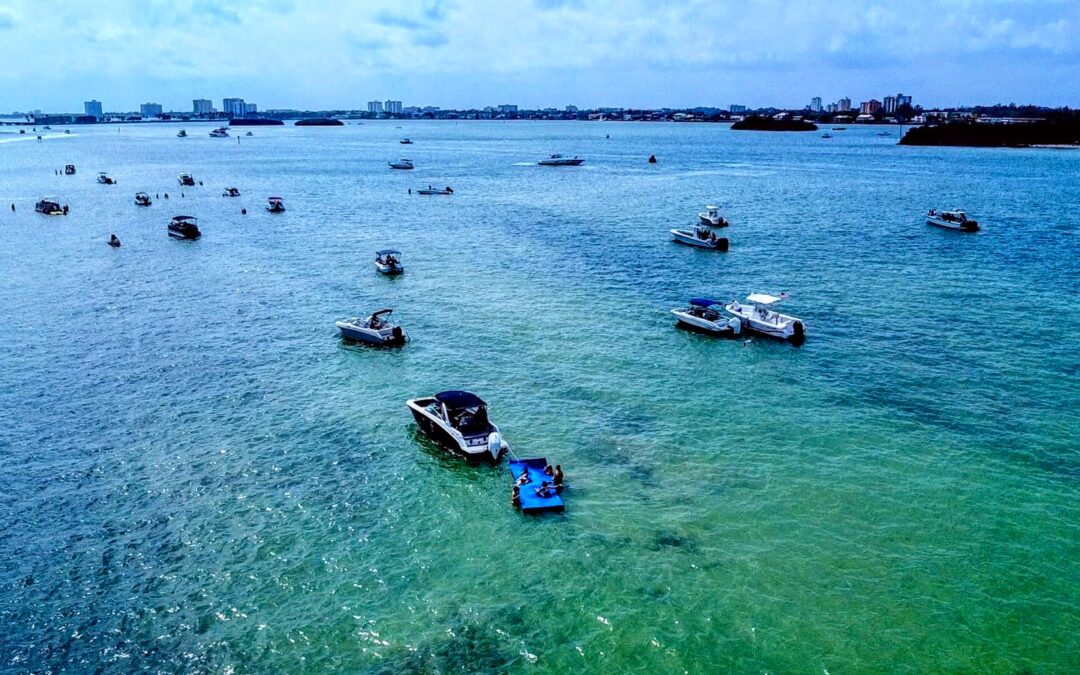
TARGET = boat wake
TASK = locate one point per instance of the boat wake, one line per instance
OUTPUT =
(31, 137)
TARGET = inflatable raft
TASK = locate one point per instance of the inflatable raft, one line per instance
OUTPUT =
(531, 501)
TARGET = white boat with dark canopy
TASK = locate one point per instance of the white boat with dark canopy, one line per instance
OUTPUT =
(704, 315)
(376, 329)
(184, 227)
(712, 218)
(388, 261)
(142, 199)
(275, 205)
(105, 179)
(186, 179)
(951, 220)
(702, 237)
(757, 316)
(458, 421)
(559, 160)
(231, 192)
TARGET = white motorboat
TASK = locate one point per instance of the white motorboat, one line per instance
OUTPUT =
(405, 141)
(181, 134)
(559, 160)
(142, 199)
(220, 132)
(275, 205)
(952, 220)
(388, 261)
(702, 237)
(458, 421)
(711, 217)
(50, 207)
(231, 192)
(184, 227)
(403, 164)
(375, 329)
(436, 191)
(703, 315)
(757, 316)
(186, 179)
(105, 179)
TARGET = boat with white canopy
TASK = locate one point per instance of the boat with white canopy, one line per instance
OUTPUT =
(702, 237)
(711, 217)
(757, 315)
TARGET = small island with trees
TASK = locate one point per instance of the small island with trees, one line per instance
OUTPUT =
(1060, 129)
(319, 122)
(759, 123)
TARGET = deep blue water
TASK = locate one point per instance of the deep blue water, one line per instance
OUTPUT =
(201, 476)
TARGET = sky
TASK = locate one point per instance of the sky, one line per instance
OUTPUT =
(54, 54)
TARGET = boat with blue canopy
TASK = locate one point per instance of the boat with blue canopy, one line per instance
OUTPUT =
(704, 315)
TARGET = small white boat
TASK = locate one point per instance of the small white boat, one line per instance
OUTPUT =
(142, 199)
(405, 141)
(388, 261)
(703, 315)
(105, 179)
(436, 191)
(711, 217)
(458, 421)
(186, 179)
(220, 132)
(702, 237)
(951, 220)
(275, 205)
(231, 192)
(757, 316)
(374, 330)
(559, 160)
(403, 164)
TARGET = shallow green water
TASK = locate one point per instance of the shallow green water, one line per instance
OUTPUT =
(201, 476)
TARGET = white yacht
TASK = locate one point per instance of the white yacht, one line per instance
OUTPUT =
(702, 237)
(559, 160)
(756, 316)
(375, 329)
(952, 220)
(711, 217)
(458, 421)
(403, 164)
(703, 315)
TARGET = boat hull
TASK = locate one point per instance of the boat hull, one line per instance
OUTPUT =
(371, 337)
(969, 226)
(184, 234)
(561, 162)
(690, 239)
(696, 323)
(790, 329)
(439, 433)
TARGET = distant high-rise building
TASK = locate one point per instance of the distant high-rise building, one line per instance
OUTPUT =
(375, 107)
(233, 107)
(93, 109)
(571, 108)
(888, 106)
(150, 110)
(393, 107)
(202, 106)
(832, 107)
(870, 107)
(902, 100)
(815, 104)
(737, 109)
(250, 109)
(508, 108)
(844, 104)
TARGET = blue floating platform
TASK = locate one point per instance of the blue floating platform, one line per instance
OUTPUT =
(530, 501)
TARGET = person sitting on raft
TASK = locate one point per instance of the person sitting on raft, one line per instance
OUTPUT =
(557, 479)
(545, 490)
(549, 470)
(515, 497)
(524, 479)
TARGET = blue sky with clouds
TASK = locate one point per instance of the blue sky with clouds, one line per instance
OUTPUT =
(536, 53)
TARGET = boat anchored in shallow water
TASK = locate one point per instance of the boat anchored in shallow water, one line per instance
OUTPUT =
(373, 330)
(951, 220)
(559, 160)
(69, 170)
(275, 205)
(388, 261)
(757, 316)
(184, 227)
(231, 192)
(458, 421)
(104, 179)
(712, 218)
(220, 132)
(186, 180)
(703, 315)
(701, 237)
(405, 141)
(181, 134)
(142, 199)
(49, 206)
(403, 164)
(436, 191)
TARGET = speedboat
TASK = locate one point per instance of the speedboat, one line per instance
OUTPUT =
(186, 179)
(559, 160)
(388, 261)
(711, 217)
(230, 192)
(839, 128)
(184, 227)
(757, 316)
(181, 134)
(436, 191)
(702, 237)
(104, 179)
(142, 199)
(405, 141)
(275, 205)
(703, 315)
(69, 170)
(114, 241)
(458, 421)
(49, 206)
(249, 134)
(375, 329)
(404, 164)
(826, 135)
(952, 220)
(220, 132)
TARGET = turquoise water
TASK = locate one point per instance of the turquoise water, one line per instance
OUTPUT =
(200, 476)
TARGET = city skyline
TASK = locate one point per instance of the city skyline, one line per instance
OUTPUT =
(547, 53)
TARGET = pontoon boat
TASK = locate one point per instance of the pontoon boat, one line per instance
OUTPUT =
(458, 421)
(757, 316)
(375, 329)
(184, 227)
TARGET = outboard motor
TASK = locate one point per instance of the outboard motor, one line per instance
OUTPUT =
(722, 244)
(798, 332)
(735, 324)
(399, 335)
(495, 445)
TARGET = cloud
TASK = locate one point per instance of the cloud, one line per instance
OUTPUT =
(7, 19)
